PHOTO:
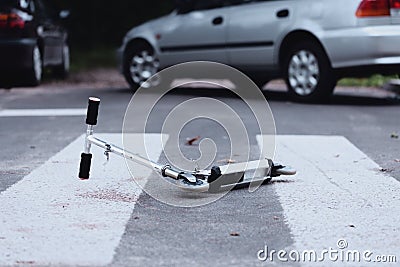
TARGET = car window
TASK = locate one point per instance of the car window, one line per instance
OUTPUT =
(237, 2)
(265, 0)
(186, 6)
(243, 2)
(207, 4)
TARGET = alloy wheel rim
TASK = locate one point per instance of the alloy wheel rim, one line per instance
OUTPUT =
(142, 67)
(303, 73)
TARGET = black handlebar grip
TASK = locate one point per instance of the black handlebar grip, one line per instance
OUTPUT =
(84, 168)
(92, 111)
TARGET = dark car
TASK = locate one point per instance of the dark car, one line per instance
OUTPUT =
(31, 39)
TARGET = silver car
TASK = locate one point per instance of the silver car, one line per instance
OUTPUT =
(309, 43)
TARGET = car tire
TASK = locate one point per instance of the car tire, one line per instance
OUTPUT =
(34, 74)
(260, 81)
(308, 73)
(139, 64)
(62, 70)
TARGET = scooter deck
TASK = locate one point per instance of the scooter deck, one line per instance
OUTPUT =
(234, 176)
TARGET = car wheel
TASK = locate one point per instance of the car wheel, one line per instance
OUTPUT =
(62, 70)
(34, 74)
(140, 64)
(308, 73)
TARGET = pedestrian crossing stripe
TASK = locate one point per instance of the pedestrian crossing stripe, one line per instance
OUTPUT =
(42, 112)
(338, 193)
(52, 218)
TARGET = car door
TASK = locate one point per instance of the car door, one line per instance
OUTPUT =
(50, 34)
(196, 34)
(253, 29)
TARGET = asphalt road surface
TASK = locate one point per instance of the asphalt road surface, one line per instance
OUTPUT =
(347, 152)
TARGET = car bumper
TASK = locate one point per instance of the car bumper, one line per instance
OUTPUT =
(16, 54)
(363, 46)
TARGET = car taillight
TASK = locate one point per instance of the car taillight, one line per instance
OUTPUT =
(374, 8)
(11, 21)
(395, 3)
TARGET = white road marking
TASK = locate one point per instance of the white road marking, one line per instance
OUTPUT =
(337, 187)
(42, 112)
(52, 218)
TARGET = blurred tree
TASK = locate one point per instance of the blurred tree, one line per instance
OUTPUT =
(104, 23)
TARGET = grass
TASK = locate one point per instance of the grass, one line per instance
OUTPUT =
(373, 81)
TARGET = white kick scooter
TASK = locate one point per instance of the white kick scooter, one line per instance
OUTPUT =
(218, 178)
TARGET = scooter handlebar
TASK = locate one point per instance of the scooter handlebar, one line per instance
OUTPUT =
(92, 111)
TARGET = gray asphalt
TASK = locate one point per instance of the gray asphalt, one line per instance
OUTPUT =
(161, 235)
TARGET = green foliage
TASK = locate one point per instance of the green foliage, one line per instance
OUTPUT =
(374, 80)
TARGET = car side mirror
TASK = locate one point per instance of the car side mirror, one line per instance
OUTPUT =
(64, 14)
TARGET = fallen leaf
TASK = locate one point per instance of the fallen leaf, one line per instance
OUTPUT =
(276, 218)
(226, 161)
(235, 234)
(190, 141)
(337, 156)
